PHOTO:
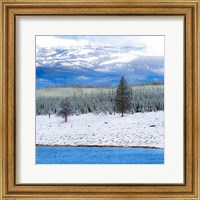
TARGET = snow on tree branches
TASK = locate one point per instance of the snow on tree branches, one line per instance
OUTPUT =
(66, 108)
(101, 100)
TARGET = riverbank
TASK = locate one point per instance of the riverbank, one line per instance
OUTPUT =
(139, 130)
(101, 146)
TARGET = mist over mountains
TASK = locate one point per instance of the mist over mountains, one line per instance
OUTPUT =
(96, 65)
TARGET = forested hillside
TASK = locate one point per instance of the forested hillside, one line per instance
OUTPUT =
(99, 100)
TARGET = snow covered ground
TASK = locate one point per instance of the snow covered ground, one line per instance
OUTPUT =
(137, 130)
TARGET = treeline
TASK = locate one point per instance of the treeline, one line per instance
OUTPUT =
(142, 100)
(148, 83)
(80, 86)
(103, 85)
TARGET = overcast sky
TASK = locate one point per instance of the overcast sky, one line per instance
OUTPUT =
(154, 45)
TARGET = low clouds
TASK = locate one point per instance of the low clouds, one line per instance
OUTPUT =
(152, 45)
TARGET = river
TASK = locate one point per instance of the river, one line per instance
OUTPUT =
(98, 155)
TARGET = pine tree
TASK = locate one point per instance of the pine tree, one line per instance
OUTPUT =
(123, 97)
(66, 108)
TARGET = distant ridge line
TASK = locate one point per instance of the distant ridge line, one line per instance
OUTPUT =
(109, 86)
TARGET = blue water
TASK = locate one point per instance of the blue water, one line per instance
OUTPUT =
(98, 155)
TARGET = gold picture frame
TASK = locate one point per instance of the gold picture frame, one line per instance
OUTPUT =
(10, 9)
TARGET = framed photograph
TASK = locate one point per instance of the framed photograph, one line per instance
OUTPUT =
(103, 88)
(100, 99)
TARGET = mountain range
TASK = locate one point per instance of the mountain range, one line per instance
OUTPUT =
(96, 65)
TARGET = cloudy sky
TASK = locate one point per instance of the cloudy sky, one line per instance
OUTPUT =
(153, 45)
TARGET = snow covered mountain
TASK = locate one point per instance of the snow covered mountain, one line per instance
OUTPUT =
(96, 65)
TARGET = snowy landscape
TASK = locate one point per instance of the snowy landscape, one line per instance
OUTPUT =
(134, 130)
(98, 60)
(99, 99)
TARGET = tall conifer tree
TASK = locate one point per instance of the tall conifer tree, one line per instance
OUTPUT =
(123, 97)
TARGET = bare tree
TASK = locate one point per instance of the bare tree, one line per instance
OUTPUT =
(65, 108)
